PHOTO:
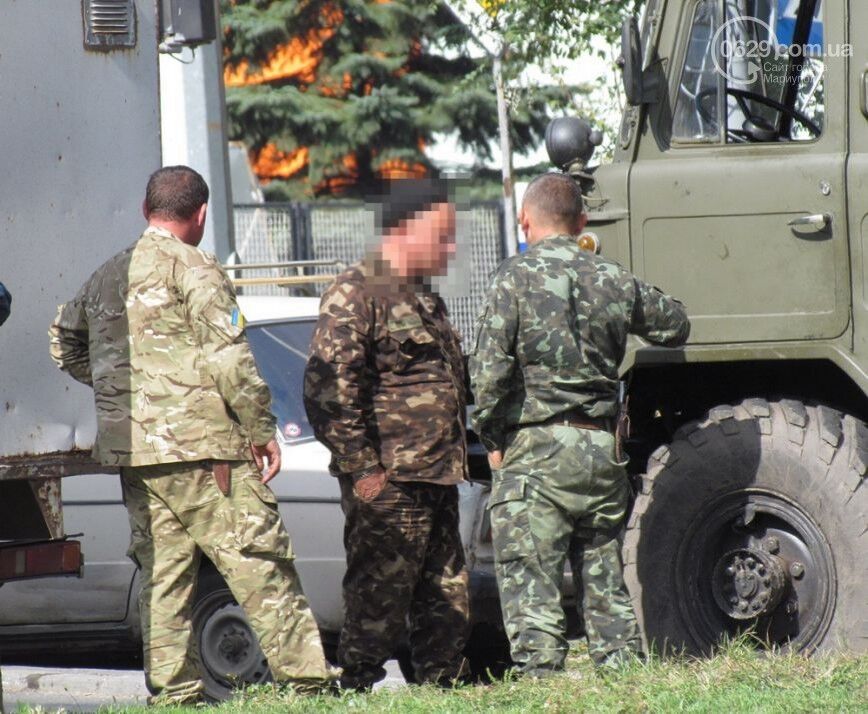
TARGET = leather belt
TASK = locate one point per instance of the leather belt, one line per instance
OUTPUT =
(578, 421)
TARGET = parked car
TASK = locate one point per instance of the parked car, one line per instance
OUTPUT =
(98, 612)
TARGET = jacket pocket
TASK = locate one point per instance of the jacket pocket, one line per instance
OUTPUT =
(506, 490)
(259, 529)
(408, 341)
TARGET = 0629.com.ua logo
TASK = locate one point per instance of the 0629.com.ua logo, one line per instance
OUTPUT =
(747, 49)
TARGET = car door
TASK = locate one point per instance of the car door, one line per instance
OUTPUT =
(746, 222)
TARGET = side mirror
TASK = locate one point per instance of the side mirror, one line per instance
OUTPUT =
(630, 61)
(640, 87)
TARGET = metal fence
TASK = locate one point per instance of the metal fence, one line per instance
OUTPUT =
(278, 232)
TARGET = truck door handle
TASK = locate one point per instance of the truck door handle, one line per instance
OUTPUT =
(818, 221)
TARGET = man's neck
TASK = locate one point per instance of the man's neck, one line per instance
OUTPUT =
(180, 230)
(547, 233)
(396, 259)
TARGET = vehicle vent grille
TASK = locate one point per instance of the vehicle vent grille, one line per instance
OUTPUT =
(109, 24)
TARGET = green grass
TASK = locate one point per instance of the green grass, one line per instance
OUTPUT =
(736, 681)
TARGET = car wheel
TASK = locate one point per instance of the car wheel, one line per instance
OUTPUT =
(228, 648)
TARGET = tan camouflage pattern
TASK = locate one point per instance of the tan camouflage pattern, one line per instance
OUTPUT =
(553, 332)
(405, 565)
(157, 332)
(177, 513)
(550, 340)
(384, 382)
(559, 494)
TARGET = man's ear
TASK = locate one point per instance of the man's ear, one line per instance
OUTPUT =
(201, 214)
(523, 220)
(581, 222)
(145, 211)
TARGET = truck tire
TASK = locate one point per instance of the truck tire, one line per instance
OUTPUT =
(228, 648)
(754, 519)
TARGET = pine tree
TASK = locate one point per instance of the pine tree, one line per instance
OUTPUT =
(330, 96)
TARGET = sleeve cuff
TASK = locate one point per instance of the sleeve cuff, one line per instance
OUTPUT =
(358, 463)
(263, 431)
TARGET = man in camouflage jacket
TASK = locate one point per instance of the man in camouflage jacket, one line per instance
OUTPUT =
(545, 375)
(385, 392)
(182, 409)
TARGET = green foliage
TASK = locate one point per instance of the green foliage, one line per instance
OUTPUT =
(543, 31)
(387, 77)
(739, 679)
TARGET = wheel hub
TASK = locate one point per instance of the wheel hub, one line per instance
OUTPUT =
(229, 649)
(748, 583)
(720, 593)
(234, 645)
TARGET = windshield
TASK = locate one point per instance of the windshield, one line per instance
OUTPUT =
(280, 350)
(752, 72)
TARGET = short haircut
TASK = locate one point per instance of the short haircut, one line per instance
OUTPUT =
(556, 197)
(401, 199)
(175, 193)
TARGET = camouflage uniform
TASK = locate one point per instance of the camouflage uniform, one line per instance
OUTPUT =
(384, 386)
(547, 353)
(157, 332)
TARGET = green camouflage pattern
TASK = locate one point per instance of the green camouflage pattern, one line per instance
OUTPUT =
(405, 565)
(553, 333)
(561, 494)
(177, 513)
(385, 381)
(157, 332)
(548, 347)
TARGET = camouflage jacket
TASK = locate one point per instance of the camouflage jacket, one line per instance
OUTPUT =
(385, 382)
(157, 332)
(553, 333)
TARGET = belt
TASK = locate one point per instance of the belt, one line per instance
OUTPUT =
(576, 420)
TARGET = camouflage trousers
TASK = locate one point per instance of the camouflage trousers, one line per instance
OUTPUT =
(560, 493)
(405, 564)
(177, 513)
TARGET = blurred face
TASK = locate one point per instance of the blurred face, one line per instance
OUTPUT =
(426, 241)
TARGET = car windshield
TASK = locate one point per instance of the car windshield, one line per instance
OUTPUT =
(280, 350)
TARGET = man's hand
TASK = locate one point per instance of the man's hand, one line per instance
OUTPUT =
(269, 452)
(369, 487)
(495, 459)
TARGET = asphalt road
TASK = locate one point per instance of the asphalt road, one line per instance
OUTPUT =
(85, 690)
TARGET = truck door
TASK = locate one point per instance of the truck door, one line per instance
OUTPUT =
(737, 194)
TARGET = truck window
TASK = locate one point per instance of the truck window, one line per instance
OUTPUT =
(752, 72)
(280, 350)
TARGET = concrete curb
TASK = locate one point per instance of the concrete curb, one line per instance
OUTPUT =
(70, 688)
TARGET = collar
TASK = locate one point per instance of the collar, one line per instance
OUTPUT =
(380, 275)
(162, 232)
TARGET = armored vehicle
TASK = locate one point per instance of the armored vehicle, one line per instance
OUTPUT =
(738, 185)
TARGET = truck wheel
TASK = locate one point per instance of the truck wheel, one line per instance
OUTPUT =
(228, 648)
(754, 520)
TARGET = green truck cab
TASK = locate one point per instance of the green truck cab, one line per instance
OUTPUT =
(738, 185)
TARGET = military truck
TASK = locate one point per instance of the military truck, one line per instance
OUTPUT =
(738, 185)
